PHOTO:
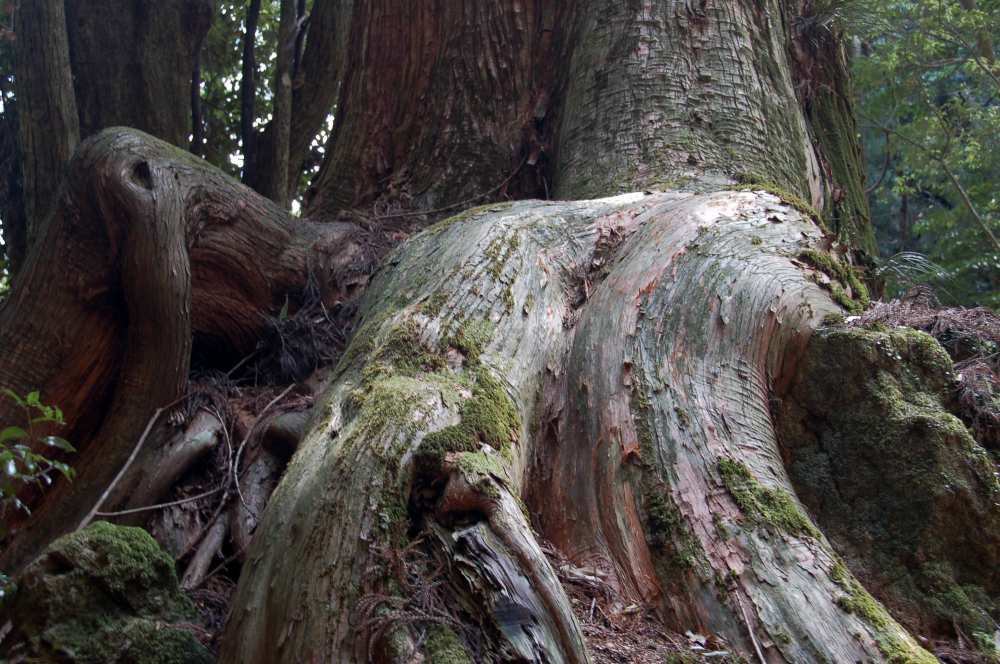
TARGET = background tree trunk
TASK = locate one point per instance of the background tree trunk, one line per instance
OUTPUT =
(477, 79)
(282, 121)
(248, 93)
(49, 127)
(145, 81)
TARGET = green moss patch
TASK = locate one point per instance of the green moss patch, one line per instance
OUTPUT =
(444, 647)
(764, 505)
(754, 182)
(471, 338)
(897, 646)
(674, 548)
(842, 277)
(488, 417)
(471, 213)
(104, 594)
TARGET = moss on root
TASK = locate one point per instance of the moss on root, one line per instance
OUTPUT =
(842, 277)
(444, 647)
(894, 479)
(488, 417)
(104, 594)
(896, 645)
(764, 505)
(674, 548)
(755, 182)
(471, 338)
(471, 213)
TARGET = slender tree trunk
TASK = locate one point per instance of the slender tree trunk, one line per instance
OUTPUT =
(248, 93)
(282, 120)
(316, 84)
(197, 115)
(11, 192)
(905, 225)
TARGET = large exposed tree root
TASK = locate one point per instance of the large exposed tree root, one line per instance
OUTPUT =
(609, 361)
(601, 374)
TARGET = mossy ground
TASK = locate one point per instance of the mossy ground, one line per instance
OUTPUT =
(104, 594)
(894, 479)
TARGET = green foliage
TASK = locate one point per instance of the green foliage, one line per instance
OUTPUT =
(19, 464)
(928, 78)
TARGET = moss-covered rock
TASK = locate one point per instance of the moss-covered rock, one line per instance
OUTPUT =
(894, 479)
(104, 594)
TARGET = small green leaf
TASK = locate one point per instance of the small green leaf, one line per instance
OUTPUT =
(14, 396)
(13, 433)
(60, 443)
(63, 468)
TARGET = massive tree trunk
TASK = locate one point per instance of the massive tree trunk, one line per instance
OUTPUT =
(597, 377)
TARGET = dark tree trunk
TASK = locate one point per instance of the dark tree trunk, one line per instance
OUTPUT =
(197, 115)
(248, 93)
(15, 225)
(143, 82)
(474, 121)
(49, 128)
(282, 120)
